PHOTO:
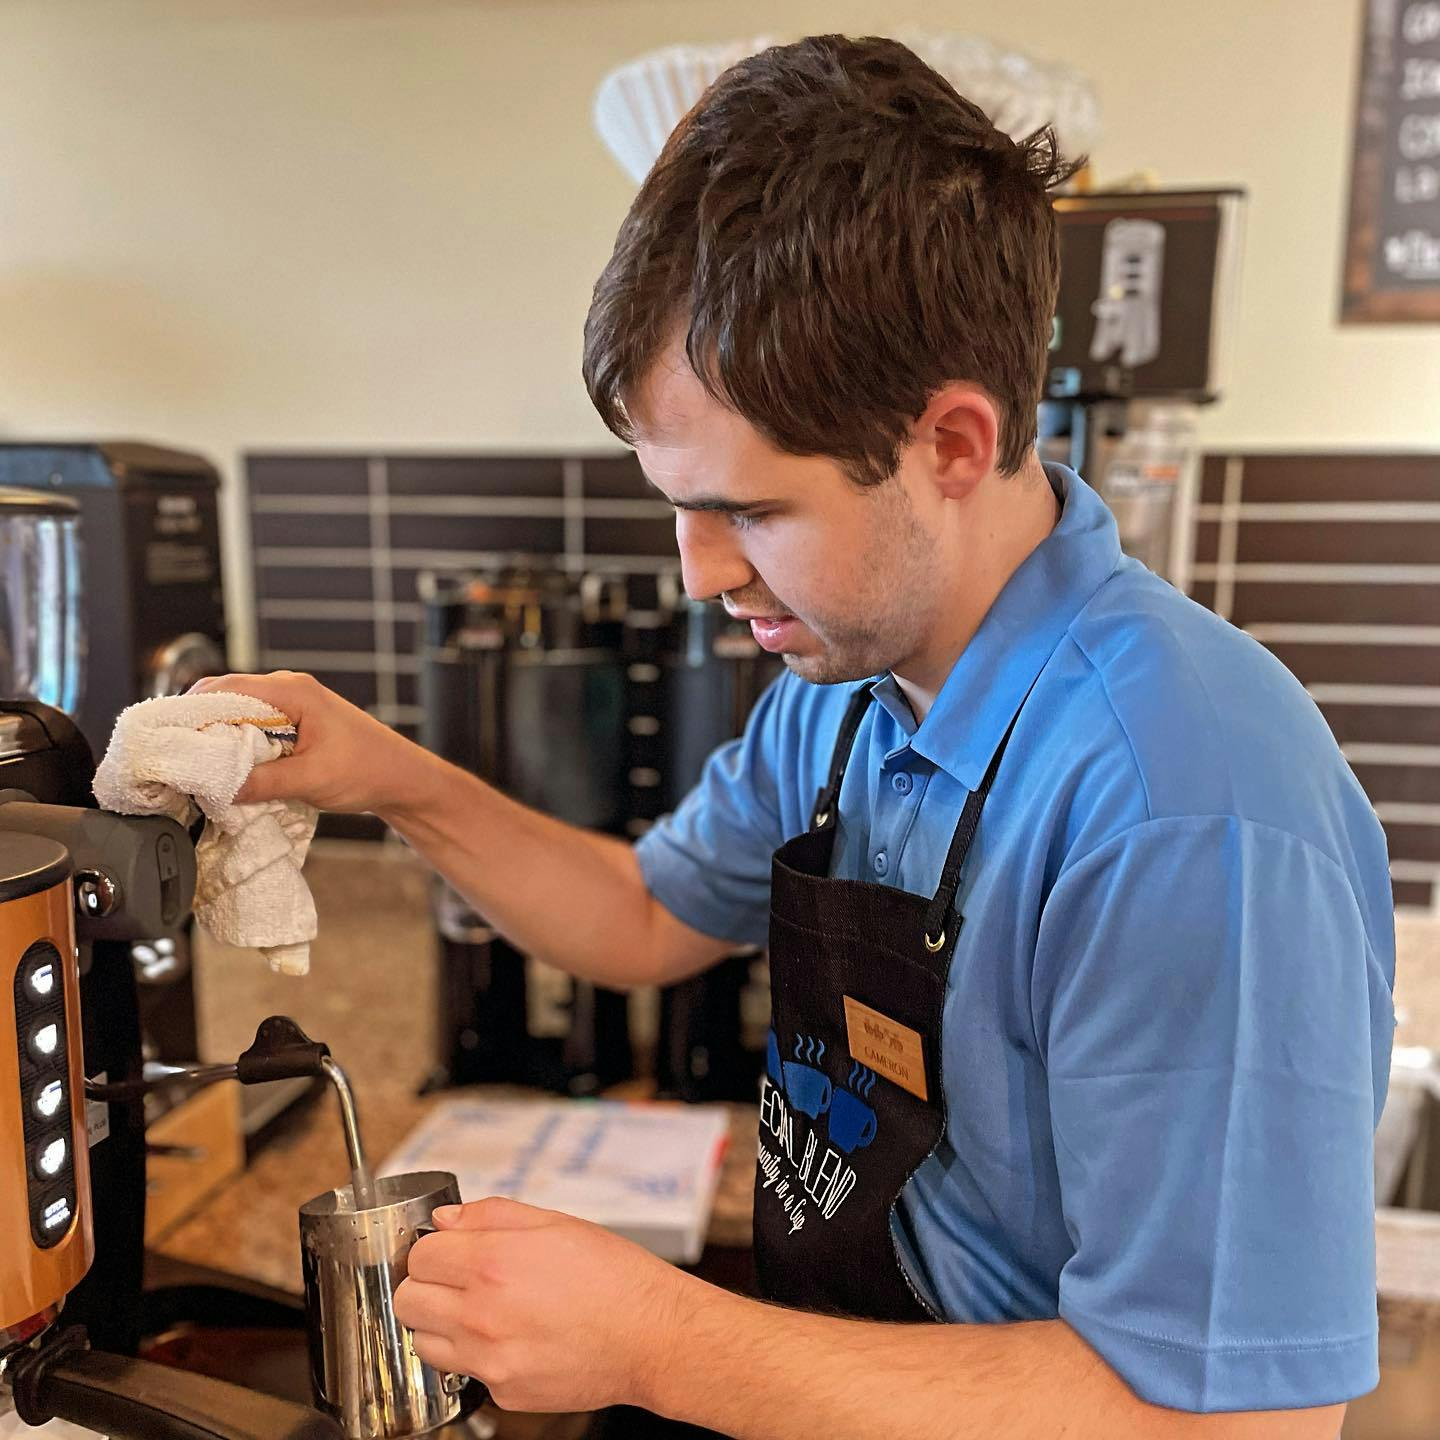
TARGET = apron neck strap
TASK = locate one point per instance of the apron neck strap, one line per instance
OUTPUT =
(827, 801)
(939, 909)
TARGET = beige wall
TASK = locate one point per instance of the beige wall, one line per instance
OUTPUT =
(233, 224)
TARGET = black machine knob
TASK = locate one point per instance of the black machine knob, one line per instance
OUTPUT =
(97, 895)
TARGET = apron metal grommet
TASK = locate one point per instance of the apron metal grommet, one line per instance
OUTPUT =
(821, 819)
(935, 945)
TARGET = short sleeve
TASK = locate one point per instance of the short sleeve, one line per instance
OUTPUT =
(1217, 1031)
(708, 863)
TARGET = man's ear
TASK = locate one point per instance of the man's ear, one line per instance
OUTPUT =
(960, 430)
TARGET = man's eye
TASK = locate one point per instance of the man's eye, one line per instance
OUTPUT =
(744, 520)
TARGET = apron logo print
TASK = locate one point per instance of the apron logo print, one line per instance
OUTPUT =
(794, 1168)
(851, 1123)
(798, 1180)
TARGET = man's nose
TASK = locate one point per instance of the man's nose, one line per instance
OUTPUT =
(711, 560)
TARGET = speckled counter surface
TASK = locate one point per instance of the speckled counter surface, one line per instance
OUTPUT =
(1417, 980)
(370, 996)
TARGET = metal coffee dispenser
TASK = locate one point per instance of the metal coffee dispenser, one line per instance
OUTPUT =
(595, 697)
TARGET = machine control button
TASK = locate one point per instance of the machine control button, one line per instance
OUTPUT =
(56, 1215)
(44, 1041)
(96, 894)
(51, 1157)
(42, 977)
(49, 1098)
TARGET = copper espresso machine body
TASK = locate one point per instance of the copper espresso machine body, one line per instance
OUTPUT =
(45, 1212)
(45, 1206)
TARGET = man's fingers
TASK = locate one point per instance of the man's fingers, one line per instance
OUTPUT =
(420, 1305)
(437, 1350)
(493, 1213)
(455, 1261)
(286, 691)
(274, 780)
(435, 1260)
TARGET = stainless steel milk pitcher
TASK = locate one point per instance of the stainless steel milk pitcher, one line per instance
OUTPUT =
(363, 1363)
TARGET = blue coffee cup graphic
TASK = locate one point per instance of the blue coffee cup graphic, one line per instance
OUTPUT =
(807, 1088)
(852, 1122)
(772, 1059)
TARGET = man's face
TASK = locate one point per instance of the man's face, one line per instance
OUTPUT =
(840, 580)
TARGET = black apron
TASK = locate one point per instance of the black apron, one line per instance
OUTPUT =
(852, 1101)
(856, 970)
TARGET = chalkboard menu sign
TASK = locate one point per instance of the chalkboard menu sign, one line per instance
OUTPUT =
(1392, 261)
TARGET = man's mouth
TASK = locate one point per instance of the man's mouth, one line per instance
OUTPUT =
(770, 631)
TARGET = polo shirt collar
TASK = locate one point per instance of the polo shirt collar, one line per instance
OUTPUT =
(1017, 636)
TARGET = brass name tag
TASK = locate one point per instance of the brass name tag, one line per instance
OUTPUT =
(889, 1049)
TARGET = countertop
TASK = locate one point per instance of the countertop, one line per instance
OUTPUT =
(371, 994)
(1417, 980)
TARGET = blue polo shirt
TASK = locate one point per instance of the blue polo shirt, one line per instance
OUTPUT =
(1168, 1025)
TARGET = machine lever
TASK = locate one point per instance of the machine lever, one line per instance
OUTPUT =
(129, 1399)
(281, 1050)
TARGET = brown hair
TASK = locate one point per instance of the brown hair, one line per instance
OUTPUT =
(839, 234)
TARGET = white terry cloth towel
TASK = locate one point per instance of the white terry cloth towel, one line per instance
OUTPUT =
(188, 755)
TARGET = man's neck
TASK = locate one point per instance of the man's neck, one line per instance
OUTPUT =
(1017, 514)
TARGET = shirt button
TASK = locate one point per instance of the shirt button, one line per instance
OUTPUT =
(902, 782)
(882, 862)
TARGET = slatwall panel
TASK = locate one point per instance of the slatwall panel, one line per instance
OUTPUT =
(340, 541)
(1333, 562)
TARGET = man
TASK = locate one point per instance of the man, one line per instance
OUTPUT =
(1080, 928)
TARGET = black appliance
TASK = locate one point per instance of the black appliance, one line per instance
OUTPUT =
(596, 698)
(1148, 288)
(152, 612)
(152, 603)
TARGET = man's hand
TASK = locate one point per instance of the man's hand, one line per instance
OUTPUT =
(344, 759)
(552, 1313)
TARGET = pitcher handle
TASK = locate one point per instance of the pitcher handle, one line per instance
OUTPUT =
(452, 1382)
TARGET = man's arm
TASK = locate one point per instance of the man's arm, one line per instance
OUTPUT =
(571, 897)
(758, 1372)
(554, 1313)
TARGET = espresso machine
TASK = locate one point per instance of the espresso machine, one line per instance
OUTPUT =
(77, 887)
